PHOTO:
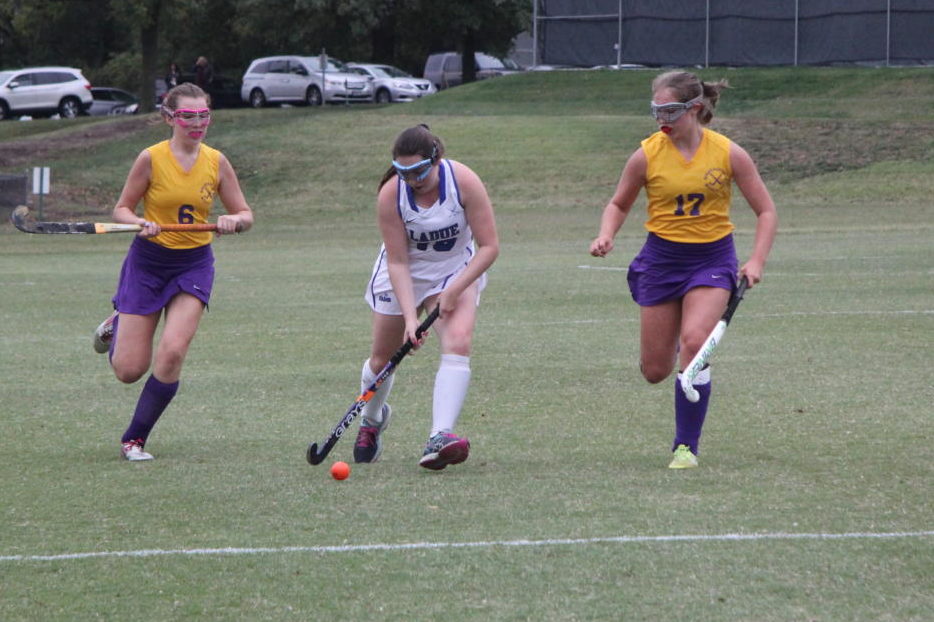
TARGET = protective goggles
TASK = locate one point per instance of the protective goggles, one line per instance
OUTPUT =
(416, 172)
(187, 116)
(671, 112)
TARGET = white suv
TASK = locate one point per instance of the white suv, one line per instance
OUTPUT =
(300, 79)
(44, 91)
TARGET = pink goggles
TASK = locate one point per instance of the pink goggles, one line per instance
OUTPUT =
(187, 116)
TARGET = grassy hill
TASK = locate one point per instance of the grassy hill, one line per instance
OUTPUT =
(579, 125)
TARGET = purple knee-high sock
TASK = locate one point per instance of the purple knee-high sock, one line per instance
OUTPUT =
(689, 416)
(153, 400)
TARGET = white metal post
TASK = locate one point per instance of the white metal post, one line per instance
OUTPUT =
(619, 35)
(796, 33)
(707, 37)
(535, 33)
(41, 183)
(323, 59)
(888, 32)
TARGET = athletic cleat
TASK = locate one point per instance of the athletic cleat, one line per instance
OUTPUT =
(683, 458)
(444, 449)
(369, 443)
(104, 334)
(133, 451)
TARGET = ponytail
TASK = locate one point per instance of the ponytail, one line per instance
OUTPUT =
(417, 140)
(688, 86)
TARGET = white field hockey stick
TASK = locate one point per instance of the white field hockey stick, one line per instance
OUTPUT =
(23, 222)
(316, 452)
(713, 340)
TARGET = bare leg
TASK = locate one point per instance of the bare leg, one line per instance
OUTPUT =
(702, 308)
(659, 340)
(182, 316)
(132, 348)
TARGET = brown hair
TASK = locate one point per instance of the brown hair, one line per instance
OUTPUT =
(416, 140)
(185, 89)
(687, 86)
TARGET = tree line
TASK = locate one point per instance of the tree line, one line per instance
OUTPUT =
(130, 43)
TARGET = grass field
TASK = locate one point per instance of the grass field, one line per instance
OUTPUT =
(813, 498)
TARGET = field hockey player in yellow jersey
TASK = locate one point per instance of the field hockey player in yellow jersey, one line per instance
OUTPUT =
(168, 273)
(683, 275)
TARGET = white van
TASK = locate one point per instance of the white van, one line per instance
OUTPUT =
(302, 80)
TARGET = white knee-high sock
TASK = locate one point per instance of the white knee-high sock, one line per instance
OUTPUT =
(451, 383)
(372, 413)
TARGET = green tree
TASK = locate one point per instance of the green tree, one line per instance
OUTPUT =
(75, 33)
(129, 43)
(342, 27)
(465, 27)
(399, 32)
(142, 19)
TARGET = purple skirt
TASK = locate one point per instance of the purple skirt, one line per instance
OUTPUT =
(664, 270)
(152, 275)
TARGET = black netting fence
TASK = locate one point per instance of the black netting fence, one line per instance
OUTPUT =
(586, 33)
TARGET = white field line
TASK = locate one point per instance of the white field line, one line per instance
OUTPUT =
(611, 268)
(422, 546)
(745, 316)
(891, 312)
(879, 273)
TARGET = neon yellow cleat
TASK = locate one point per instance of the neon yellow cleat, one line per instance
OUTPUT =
(683, 458)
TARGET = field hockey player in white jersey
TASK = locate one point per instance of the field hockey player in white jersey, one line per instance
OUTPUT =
(439, 239)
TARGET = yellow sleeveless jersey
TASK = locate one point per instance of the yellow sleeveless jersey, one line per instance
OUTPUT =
(688, 201)
(176, 196)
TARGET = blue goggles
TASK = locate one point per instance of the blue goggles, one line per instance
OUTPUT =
(671, 112)
(416, 172)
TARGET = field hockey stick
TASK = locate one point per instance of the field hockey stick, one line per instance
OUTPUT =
(23, 222)
(703, 355)
(315, 453)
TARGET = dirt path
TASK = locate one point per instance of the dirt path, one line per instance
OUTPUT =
(19, 154)
(790, 149)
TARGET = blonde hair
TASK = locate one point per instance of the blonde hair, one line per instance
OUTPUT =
(185, 89)
(687, 86)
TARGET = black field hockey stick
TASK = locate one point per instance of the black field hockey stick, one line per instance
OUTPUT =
(21, 220)
(318, 453)
(713, 340)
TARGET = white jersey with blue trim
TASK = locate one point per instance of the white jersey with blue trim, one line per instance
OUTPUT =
(440, 241)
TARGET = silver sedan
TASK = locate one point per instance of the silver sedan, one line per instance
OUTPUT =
(391, 84)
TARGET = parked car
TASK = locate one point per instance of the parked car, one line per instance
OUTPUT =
(444, 69)
(224, 91)
(391, 84)
(300, 79)
(109, 101)
(43, 92)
